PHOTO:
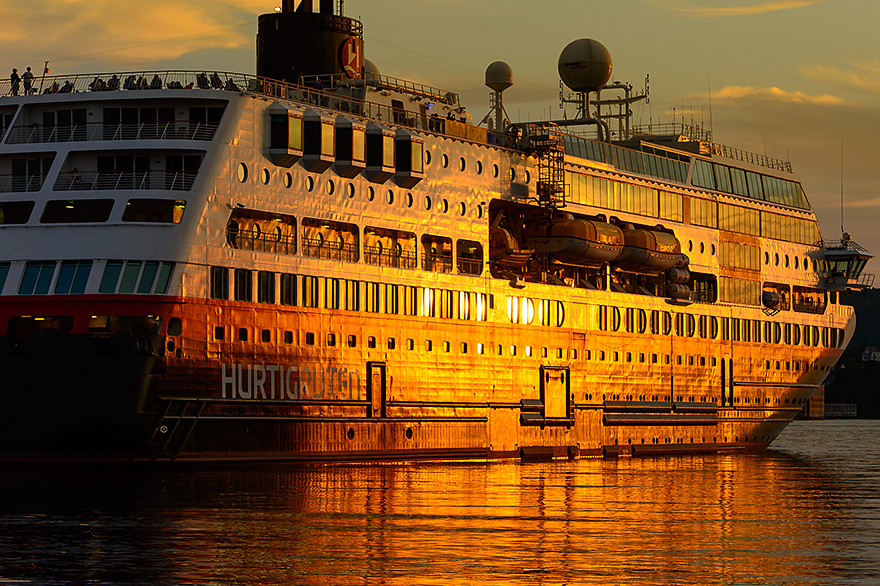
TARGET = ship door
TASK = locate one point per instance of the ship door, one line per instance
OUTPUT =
(555, 394)
(376, 389)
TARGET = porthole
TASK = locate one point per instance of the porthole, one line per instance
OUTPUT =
(398, 249)
(512, 174)
(494, 170)
(277, 233)
(712, 250)
(444, 160)
(256, 230)
(462, 208)
(797, 262)
(428, 202)
(389, 197)
(776, 259)
(409, 200)
(444, 206)
(331, 187)
(288, 180)
(766, 258)
(786, 261)
(702, 247)
(320, 239)
(349, 190)
(340, 242)
(462, 164)
(264, 176)
(806, 264)
(379, 248)
(480, 211)
(479, 167)
(527, 176)
(371, 193)
(690, 245)
(242, 172)
(310, 184)
(427, 157)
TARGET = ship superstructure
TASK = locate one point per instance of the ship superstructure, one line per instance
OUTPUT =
(327, 263)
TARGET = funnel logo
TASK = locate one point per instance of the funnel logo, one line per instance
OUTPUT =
(351, 58)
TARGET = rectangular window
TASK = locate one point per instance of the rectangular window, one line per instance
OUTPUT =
(288, 289)
(310, 292)
(352, 295)
(130, 276)
(265, 287)
(111, 276)
(37, 278)
(372, 298)
(244, 285)
(148, 275)
(331, 293)
(4, 270)
(73, 277)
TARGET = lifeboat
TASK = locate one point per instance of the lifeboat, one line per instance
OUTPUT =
(576, 241)
(649, 251)
(505, 251)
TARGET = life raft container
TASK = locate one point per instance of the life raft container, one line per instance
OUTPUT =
(649, 251)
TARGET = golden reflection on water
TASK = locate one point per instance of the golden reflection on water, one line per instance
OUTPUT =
(693, 520)
(741, 519)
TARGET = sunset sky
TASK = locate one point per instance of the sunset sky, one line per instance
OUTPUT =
(793, 79)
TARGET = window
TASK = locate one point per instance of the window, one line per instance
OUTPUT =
(136, 277)
(162, 211)
(288, 289)
(4, 270)
(243, 334)
(265, 287)
(77, 211)
(73, 277)
(219, 282)
(175, 326)
(310, 293)
(37, 278)
(244, 285)
(15, 212)
(288, 337)
(218, 332)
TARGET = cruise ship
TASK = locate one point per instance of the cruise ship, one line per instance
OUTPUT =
(323, 263)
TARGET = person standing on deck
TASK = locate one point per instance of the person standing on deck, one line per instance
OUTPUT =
(15, 80)
(28, 79)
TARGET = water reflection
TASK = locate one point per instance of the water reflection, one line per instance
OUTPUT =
(772, 518)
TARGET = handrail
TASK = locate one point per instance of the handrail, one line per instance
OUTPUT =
(177, 130)
(99, 181)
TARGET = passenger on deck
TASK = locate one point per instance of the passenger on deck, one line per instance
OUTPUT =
(65, 89)
(216, 82)
(97, 85)
(15, 80)
(156, 84)
(27, 79)
(113, 84)
(129, 83)
(141, 83)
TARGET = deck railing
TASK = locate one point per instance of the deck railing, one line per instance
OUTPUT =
(179, 130)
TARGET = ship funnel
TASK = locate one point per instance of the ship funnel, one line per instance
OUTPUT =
(299, 41)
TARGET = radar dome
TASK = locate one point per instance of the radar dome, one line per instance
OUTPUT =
(499, 76)
(370, 70)
(585, 65)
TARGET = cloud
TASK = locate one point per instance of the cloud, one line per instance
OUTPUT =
(115, 32)
(741, 8)
(863, 76)
(774, 94)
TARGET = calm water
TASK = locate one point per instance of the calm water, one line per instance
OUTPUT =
(806, 512)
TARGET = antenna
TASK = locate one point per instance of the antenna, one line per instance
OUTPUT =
(711, 125)
(841, 188)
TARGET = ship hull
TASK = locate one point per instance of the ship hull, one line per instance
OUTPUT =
(148, 399)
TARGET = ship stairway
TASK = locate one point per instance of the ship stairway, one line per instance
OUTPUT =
(172, 430)
(548, 145)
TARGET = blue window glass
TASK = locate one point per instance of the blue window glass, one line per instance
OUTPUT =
(111, 276)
